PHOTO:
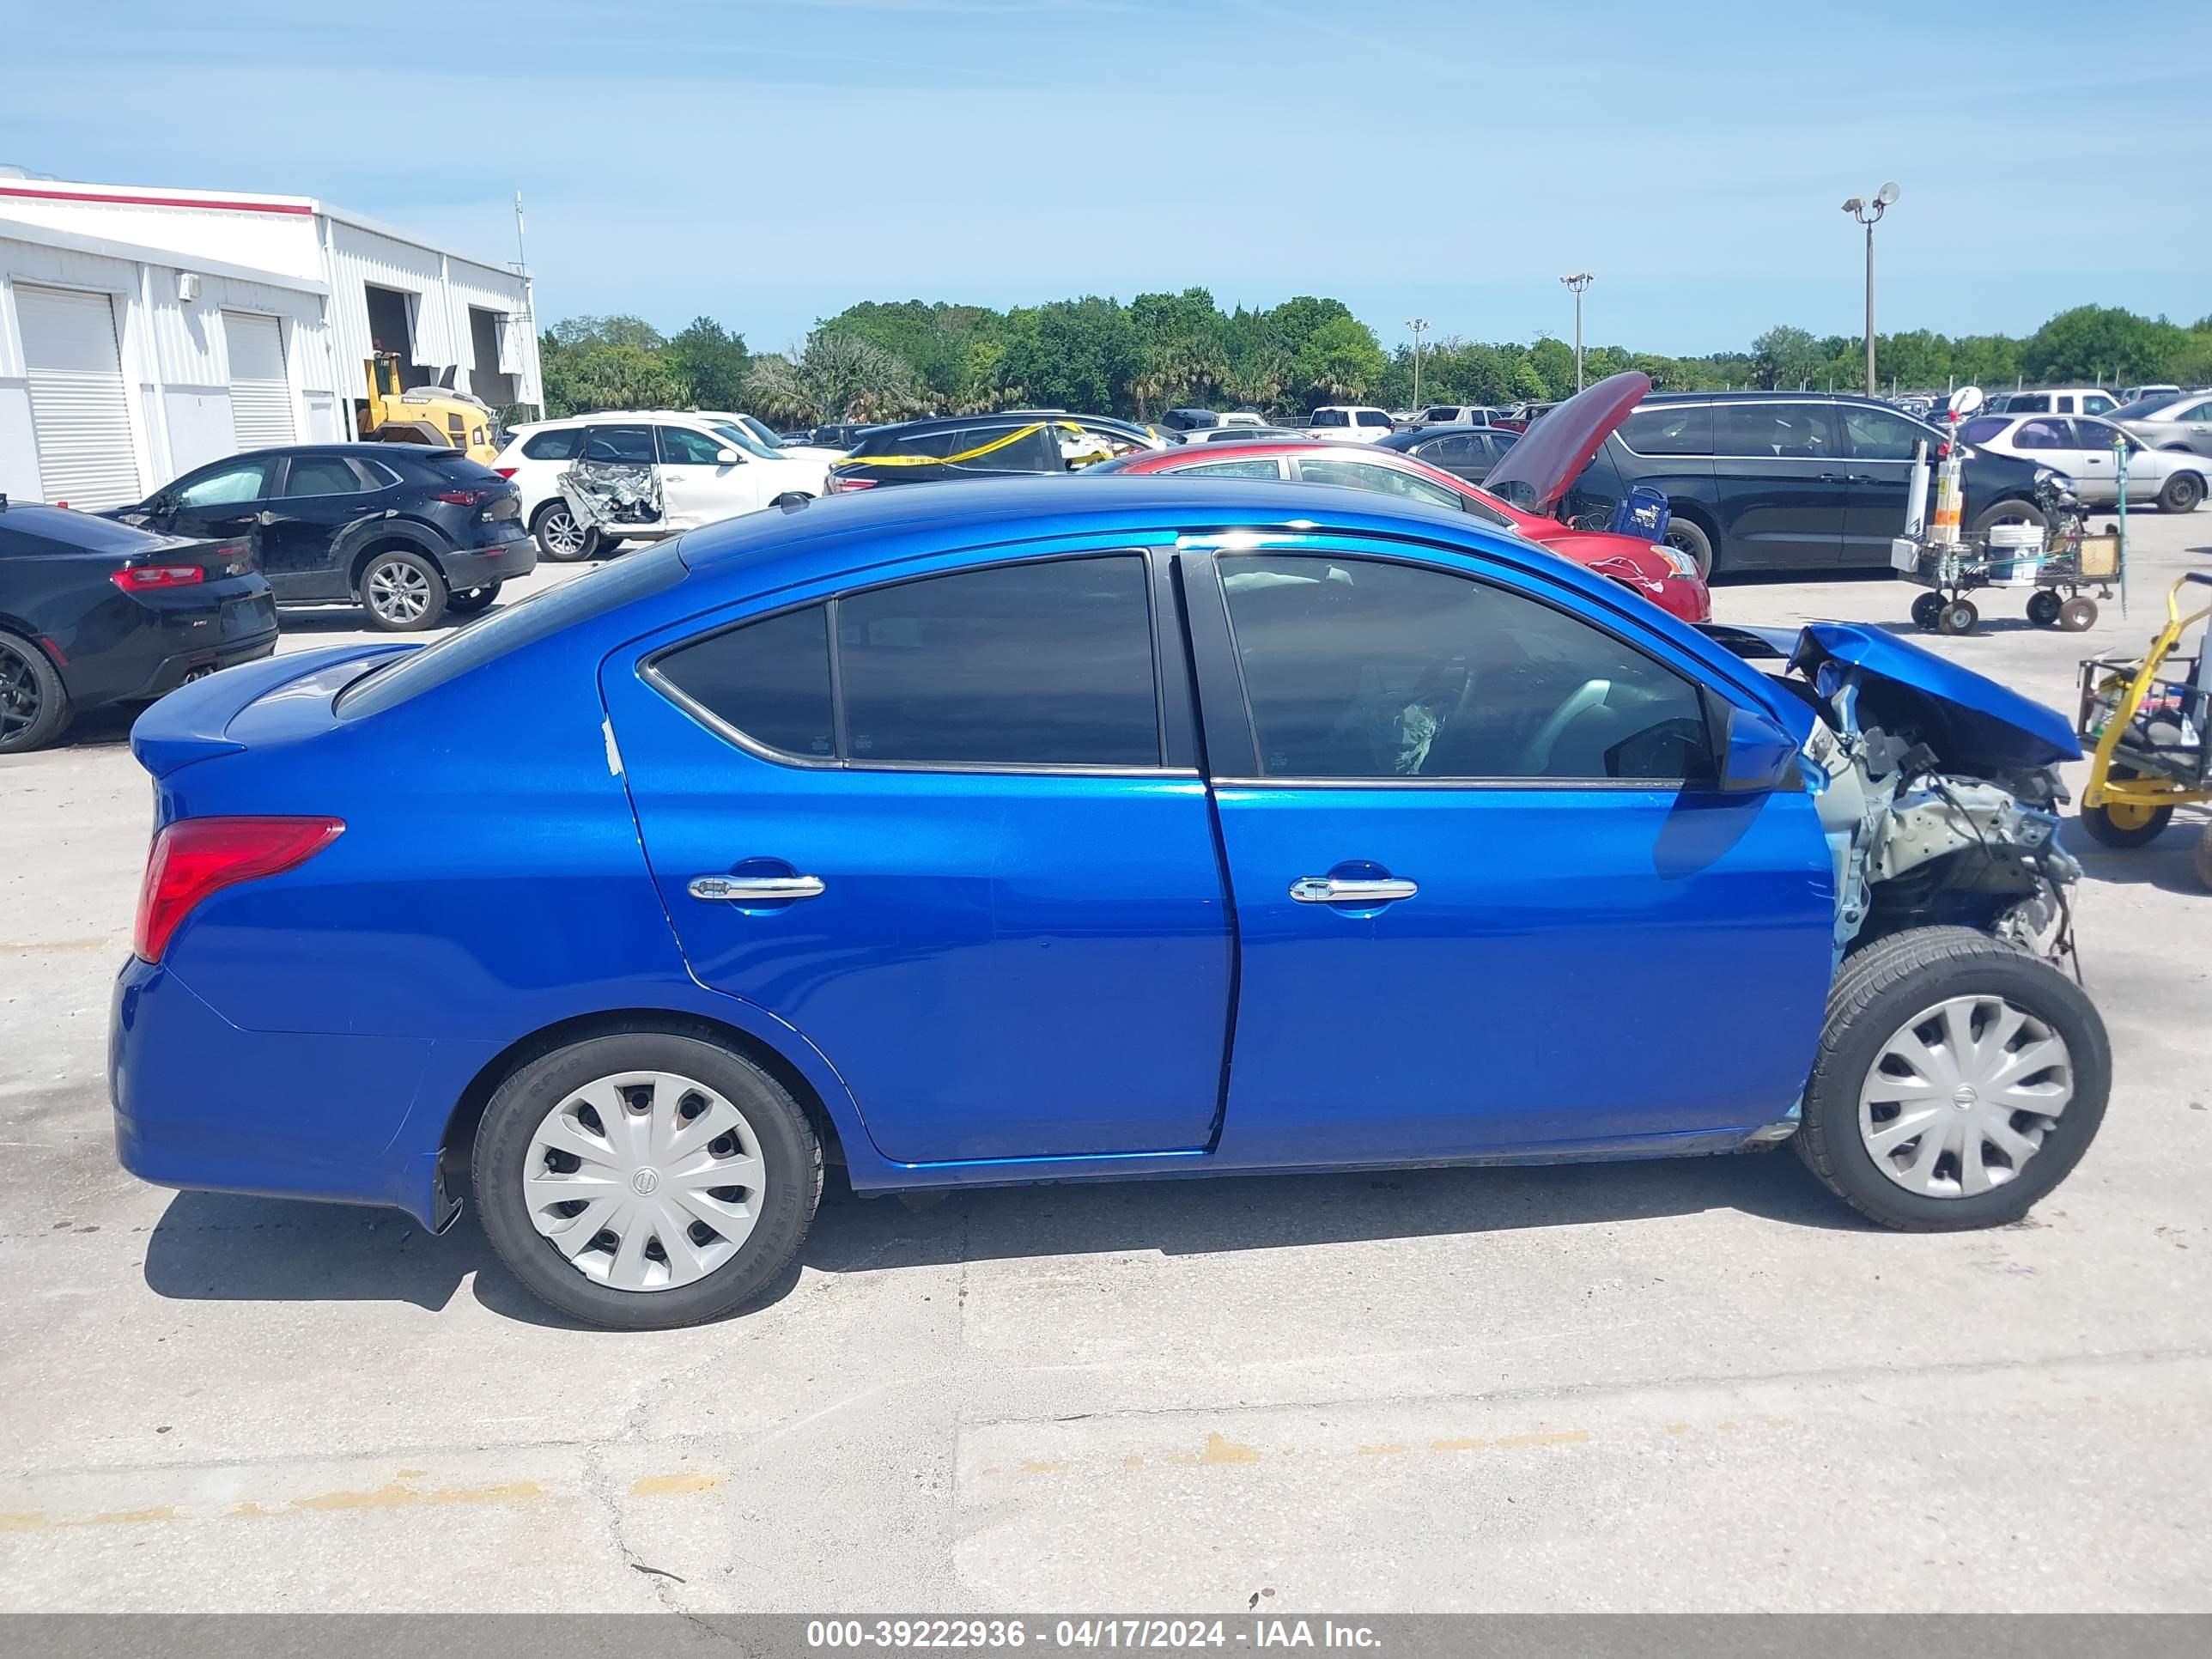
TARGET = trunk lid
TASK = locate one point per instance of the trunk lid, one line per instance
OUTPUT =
(274, 699)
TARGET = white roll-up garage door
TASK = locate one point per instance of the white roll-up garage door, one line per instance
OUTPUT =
(260, 396)
(79, 414)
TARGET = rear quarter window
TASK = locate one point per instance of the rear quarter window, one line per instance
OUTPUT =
(1670, 430)
(556, 446)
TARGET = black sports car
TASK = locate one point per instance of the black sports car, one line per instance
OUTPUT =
(95, 612)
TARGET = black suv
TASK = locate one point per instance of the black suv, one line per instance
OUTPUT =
(1018, 440)
(410, 532)
(1787, 481)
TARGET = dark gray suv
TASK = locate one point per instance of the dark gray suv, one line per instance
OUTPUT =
(1787, 481)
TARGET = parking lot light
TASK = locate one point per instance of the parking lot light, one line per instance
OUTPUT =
(1579, 281)
(1867, 211)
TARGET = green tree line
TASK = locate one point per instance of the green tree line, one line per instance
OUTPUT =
(878, 361)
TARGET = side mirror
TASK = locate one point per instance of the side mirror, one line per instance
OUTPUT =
(1757, 755)
(728, 458)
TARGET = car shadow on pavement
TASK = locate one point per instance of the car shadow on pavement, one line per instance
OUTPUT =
(211, 1247)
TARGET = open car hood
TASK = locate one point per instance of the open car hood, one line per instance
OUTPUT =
(1971, 722)
(1551, 454)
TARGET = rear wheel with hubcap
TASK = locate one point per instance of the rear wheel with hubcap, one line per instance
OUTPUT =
(646, 1179)
(33, 707)
(560, 538)
(402, 592)
(2183, 491)
(1959, 1081)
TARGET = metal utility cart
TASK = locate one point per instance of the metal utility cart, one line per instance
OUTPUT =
(2147, 719)
(2055, 567)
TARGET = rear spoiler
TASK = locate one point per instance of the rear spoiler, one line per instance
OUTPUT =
(193, 722)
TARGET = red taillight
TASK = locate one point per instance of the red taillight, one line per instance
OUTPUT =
(506, 471)
(193, 858)
(461, 497)
(839, 484)
(138, 577)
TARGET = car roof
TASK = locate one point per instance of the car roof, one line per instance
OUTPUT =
(1442, 430)
(1754, 396)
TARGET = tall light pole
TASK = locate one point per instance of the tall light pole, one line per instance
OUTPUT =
(1419, 325)
(1868, 211)
(1579, 281)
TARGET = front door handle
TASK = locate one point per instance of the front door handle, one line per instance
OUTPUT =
(1338, 890)
(754, 888)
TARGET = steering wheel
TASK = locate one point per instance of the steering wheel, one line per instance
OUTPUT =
(1537, 755)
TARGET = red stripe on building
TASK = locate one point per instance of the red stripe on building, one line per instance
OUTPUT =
(224, 205)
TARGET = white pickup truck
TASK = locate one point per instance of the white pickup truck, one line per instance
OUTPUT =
(1353, 422)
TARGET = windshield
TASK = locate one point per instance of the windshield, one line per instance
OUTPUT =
(2143, 408)
(745, 440)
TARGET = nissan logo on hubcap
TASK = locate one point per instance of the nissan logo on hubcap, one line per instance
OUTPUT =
(644, 1181)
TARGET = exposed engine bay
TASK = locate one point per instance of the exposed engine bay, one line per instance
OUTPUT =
(1937, 809)
(610, 495)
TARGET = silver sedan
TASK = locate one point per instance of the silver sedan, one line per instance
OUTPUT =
(2086, 448)
(2170, 422)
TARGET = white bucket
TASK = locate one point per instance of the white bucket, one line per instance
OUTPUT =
(2016, 553)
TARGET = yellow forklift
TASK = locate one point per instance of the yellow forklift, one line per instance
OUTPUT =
(423, 414)
(2147, 719)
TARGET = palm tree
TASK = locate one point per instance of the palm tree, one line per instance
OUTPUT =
(836, 377)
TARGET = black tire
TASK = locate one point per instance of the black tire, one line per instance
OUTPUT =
(2131, 828)
(2077, 616)
(2012, 510)
(2043, 608)
(1926, 609)
(1688, 536)
(35, 706)
(472, 601)
(1957, 617)
(560, 539)
(2183, 492)
(402, 592)
(1879, 989)
(790, 1151)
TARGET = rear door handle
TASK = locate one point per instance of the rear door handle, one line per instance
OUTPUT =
(1336, 889)
(744, 887)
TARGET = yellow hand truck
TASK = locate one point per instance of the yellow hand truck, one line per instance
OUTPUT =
(2147, 719)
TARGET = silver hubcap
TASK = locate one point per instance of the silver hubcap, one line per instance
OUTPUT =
(1961, 1098)
(399, 592)
(563, 533)
(644, 1181)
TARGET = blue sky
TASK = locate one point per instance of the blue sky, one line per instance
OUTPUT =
(769, 163)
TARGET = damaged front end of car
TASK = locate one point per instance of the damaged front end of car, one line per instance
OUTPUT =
(1938, 789)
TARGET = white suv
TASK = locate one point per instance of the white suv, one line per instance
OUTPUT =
(1359, 422)
(691, 471)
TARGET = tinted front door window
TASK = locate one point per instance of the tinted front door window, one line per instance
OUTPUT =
(320, 498)
(1881, 480)
(1036, 665)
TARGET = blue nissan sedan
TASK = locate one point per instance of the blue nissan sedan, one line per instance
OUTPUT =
(1028, 832)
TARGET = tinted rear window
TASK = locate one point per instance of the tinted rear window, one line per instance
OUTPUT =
(562, 444)
(1982, 429)
(510, 629)
(35, 529)
(768, 679)
(1670, 430)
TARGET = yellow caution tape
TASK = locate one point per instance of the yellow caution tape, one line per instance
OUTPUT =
(1015, 436)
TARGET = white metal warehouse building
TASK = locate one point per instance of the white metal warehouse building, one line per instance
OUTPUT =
(143, 331)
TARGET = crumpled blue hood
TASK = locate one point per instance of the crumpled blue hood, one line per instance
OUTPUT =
(1971, 721)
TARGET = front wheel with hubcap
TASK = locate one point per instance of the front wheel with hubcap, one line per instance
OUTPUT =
(646, 1179)
(34, 707)
(1958, 1080)
(560, 538)
(402, 592)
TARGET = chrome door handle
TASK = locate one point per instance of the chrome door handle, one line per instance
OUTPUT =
(1335, 890)
(741, 888)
